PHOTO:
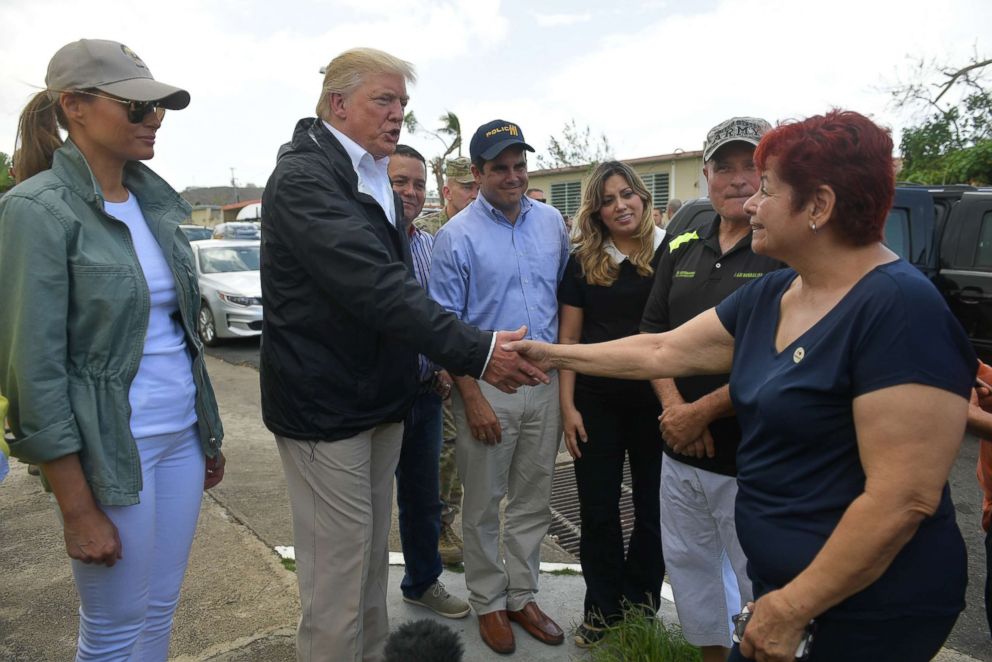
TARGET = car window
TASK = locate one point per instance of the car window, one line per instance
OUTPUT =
(197, 234)
(897, 232)
(237, 231)
(229, 258)
(983, 252)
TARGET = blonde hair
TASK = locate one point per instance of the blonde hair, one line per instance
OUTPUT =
(347, 71)
(597, 265)
(37, 136)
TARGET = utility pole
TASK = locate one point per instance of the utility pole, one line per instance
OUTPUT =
(234, 185)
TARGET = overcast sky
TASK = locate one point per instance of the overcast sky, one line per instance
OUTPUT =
(653, 75)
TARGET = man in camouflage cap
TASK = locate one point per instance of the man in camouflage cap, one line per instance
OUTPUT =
(459, 189)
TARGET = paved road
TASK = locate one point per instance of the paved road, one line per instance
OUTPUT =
(239, 351)
(970, 635)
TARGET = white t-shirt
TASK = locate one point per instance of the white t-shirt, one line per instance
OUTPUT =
(162, 395)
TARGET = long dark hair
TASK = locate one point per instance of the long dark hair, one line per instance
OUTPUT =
(37, 136)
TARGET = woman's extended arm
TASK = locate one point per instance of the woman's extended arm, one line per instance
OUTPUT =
(908, 437)
(700, 346)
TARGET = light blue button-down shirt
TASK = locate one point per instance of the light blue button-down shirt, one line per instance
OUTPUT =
(499, 275)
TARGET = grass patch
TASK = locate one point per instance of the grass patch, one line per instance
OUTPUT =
(643, 638)
(289, 564)
(456, 567)
(564, 572)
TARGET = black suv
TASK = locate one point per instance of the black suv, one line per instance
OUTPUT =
(946, 232)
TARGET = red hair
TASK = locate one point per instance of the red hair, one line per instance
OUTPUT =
(845, 151)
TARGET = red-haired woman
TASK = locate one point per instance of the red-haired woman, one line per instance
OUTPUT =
(850, 378)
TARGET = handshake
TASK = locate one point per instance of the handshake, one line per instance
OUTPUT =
(508, 370)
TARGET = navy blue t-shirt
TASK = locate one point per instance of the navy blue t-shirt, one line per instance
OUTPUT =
(798, 464)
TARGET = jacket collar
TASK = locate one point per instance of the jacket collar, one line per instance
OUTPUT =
(311, 135)
(355, 151)
(70, 166)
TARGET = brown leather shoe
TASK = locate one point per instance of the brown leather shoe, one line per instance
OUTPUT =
(496, 632)
(537, 624)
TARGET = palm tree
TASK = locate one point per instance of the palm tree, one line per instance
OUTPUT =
(450, 135)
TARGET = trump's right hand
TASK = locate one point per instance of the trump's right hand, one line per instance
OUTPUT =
(537, 353)
(507, 369)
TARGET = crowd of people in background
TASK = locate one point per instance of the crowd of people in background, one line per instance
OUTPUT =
(788, 394)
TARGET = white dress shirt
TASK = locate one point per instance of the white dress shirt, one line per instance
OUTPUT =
(373, 175)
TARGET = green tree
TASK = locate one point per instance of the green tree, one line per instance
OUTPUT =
(575, 147)
(952, 139)
(450, 135)
(6, 181)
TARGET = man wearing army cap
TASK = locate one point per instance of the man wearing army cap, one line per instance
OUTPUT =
(705, 563)
(460, 188)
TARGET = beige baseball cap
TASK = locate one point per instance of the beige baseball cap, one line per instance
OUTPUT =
(111, 67)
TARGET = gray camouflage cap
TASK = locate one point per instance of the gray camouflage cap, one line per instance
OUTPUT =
(736, 129)
(111, 67)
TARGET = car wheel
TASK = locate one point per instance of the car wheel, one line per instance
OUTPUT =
(206, 326)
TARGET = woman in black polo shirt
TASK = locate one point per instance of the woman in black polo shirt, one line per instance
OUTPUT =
(602, 295)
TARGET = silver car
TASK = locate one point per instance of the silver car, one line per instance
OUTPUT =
(230, 289)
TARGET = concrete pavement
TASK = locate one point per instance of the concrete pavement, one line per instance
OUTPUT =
(239, 603)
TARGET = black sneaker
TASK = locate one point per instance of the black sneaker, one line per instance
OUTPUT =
(587, 636)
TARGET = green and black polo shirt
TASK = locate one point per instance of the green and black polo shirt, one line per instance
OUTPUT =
(694, 275)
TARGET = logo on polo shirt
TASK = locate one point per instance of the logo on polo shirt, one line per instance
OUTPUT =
(749, 274)
(682, 273)
(683, 238)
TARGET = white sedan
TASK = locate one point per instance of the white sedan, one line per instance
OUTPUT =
(230, 289)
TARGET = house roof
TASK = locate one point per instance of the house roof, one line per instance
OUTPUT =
(675, 156)
(239, 205)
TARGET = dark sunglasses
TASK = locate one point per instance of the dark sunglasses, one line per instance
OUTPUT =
(136, 110)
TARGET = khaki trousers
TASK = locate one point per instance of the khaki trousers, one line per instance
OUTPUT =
(519, 468)
(341, 495)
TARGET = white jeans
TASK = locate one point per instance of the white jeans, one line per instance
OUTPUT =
(706, 565)
(125, 612)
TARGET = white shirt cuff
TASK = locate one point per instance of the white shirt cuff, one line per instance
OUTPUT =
(489, 357)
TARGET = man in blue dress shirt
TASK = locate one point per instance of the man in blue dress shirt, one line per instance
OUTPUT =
(496, 265)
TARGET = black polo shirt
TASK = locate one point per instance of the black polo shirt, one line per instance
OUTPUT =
(692, 276)
(609, 313)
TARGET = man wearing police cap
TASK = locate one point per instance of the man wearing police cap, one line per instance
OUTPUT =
(499, 262)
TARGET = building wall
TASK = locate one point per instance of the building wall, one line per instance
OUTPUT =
(207, 216)
(683, 170)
